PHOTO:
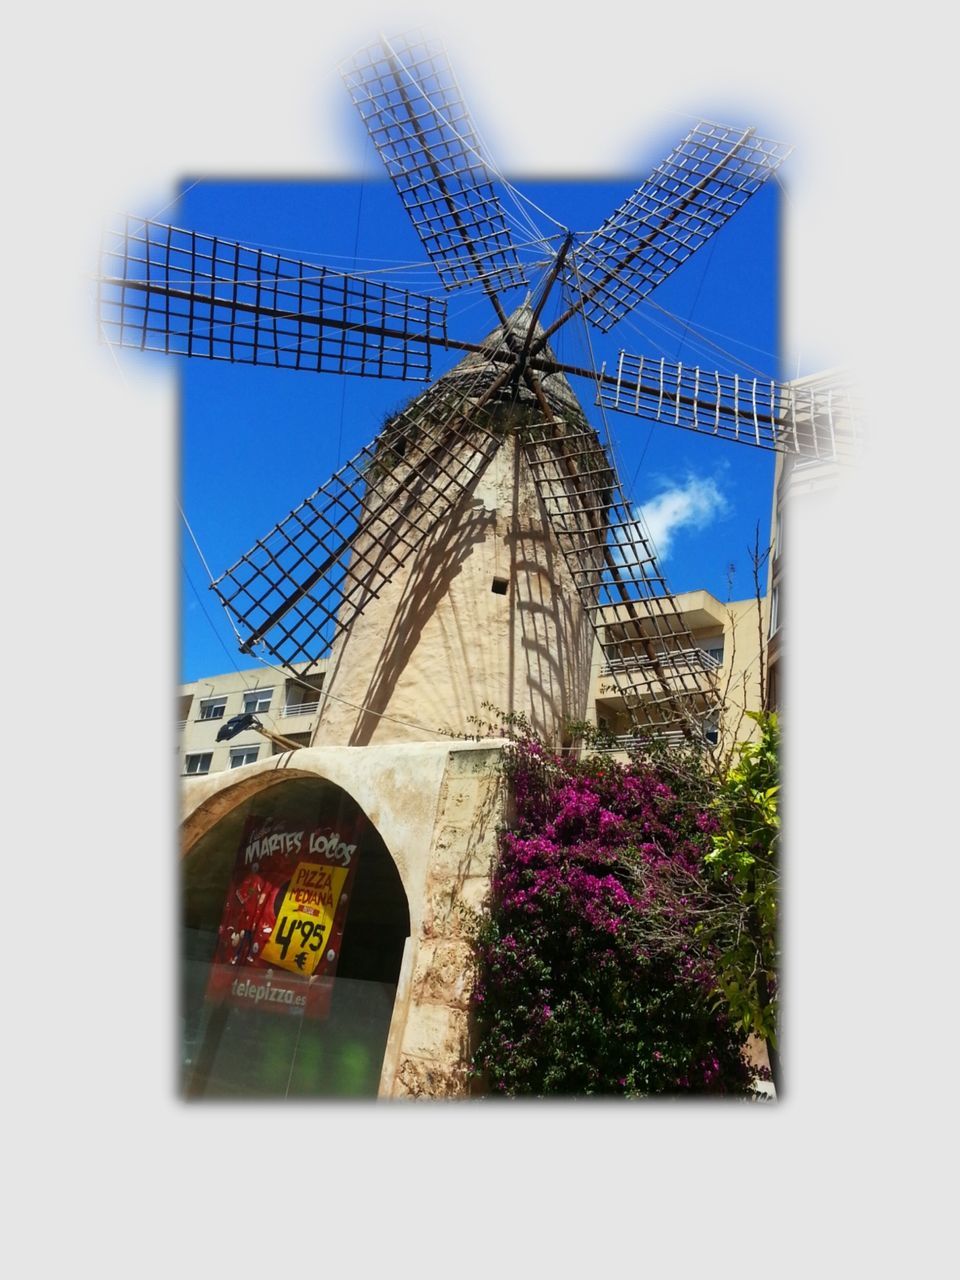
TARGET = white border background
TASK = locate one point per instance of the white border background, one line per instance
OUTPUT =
(106, 104)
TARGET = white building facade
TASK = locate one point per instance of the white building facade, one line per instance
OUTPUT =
(284, 704)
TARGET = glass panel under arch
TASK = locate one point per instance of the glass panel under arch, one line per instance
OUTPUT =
(292, 934)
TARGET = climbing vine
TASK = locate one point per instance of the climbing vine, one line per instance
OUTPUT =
(598, 960)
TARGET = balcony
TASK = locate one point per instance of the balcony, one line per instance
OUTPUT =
(687, 672)
(300, 708)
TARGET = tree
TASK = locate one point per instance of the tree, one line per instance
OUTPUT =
(745, 858)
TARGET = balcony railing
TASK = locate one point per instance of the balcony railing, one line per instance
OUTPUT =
(300, 708)
(683, 658)
(630, 742)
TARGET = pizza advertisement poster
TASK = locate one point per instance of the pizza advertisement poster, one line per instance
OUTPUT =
(278, 944)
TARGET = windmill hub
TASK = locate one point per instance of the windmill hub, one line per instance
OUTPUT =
(516, 407)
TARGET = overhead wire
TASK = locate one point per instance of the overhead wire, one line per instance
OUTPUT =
(634, 510)
(284, 672)
(303, 256)
(177, 198)
(232, 660)
(206, 567)
(366, 710)
(438, 293)
(484, 156)
(343, 384)
(702, 329)
(447, 170)
(630, 322)
(519, 197)
(193, 537)
(119, 369)
(471, 388)
(697, 342)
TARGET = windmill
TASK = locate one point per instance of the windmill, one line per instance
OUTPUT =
(363, 569)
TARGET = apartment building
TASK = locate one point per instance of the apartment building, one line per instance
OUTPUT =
(729, 635)
(284, 704)
(732, 638)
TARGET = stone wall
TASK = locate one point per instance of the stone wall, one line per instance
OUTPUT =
(430, 1055)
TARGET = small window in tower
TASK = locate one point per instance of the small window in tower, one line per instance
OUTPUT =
(499, 587)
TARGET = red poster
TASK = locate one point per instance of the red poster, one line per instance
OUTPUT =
(281, 930)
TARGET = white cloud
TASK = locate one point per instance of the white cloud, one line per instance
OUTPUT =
(692, 505)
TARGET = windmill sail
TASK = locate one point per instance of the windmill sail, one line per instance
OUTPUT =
(665, 680)
(305, 581)
(690, 195)
(411, 105)
(815, 422)
(180, 292)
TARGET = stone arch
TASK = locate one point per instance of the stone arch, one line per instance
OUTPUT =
(258, 1051)
(436, 807)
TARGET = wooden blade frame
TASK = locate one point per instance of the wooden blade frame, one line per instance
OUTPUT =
(812, 421)
(303, 584)
(688, 197)
(665, 680)
(411, 105)
(165, 289)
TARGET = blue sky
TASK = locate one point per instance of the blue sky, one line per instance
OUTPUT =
(255, 441)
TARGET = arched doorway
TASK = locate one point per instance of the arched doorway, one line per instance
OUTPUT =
(244, 1046)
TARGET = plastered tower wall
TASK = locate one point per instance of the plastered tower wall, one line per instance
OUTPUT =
(485, 612)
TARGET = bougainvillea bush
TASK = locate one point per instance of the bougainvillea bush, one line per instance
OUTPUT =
(592, 973)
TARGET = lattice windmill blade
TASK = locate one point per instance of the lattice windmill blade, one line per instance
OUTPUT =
(162, 288)
(303, 584)
(821, 421)
(413, 110)
(665, 679)
(690, 195)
